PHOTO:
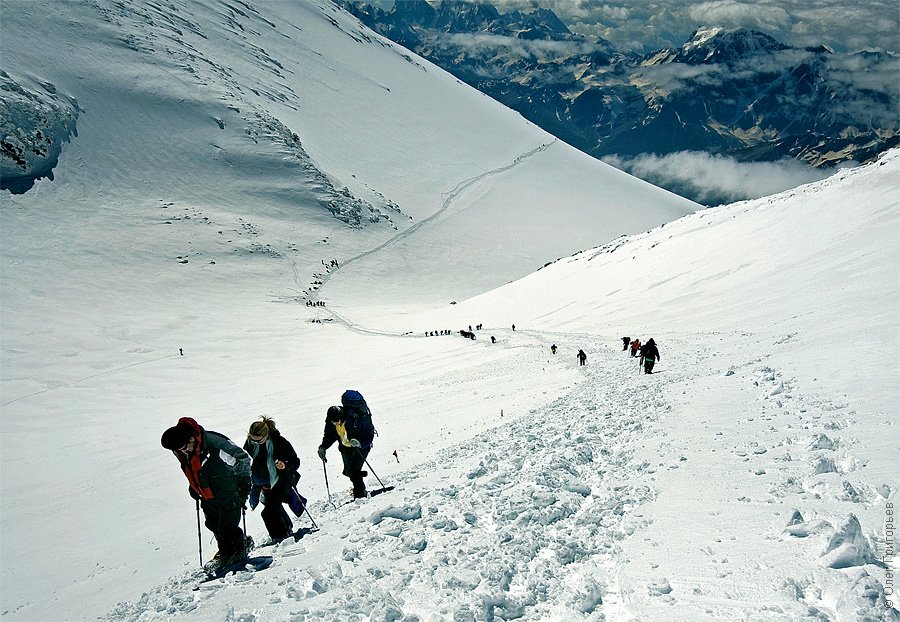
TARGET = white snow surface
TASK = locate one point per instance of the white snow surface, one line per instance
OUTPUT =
(226, 152)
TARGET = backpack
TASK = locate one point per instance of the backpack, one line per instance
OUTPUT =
(355, 404)
(356, 409)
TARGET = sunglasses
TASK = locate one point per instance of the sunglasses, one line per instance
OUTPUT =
(259, 441)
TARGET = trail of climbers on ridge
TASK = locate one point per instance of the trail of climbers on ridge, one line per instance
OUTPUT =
(449, 198)
(543, 517)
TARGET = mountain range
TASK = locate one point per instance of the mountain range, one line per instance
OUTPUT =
(735, 93)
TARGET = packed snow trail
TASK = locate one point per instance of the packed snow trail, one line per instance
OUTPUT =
(91, 376)
(591, 508)
(523, 521)
(449, 198)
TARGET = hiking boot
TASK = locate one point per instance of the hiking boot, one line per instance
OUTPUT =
(238, 558)
(213, 564)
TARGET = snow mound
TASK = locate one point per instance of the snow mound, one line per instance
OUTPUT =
(34, 123)
(848, 547)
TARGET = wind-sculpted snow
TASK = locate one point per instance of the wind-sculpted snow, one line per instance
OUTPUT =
(34, 123)
(339, 201)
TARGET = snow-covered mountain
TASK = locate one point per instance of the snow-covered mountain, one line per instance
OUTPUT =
(220, 155)
(295, 135)
(734, 93)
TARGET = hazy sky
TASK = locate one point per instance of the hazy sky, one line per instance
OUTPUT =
(653, 24)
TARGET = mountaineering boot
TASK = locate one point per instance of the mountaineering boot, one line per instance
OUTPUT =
(235, 559)
(213, 564)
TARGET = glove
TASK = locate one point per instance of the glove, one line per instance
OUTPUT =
(354, 443)
(321, 453)
(254, 498)
(242, 491)
(193, 494)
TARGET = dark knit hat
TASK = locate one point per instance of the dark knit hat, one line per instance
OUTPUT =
(335, 413)
(177, 436)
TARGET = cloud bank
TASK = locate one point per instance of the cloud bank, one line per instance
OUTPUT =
(714, 180)
(648, 25)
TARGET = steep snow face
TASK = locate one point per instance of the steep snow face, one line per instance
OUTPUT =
(797, 264)
(225, 155)
(702, 37)
(296, 110)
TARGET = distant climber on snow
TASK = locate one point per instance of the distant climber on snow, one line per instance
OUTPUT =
(625, 342)
(582, 357)
(635, 346)
(650, 354)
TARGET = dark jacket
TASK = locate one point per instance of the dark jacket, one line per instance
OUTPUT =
(220, 471)
(358, 427)
(650, 351)
(264, 457)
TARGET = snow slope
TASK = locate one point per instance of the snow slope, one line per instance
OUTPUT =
(731, 484)
(186, 215)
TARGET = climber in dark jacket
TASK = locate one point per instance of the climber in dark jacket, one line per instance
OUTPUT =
(649, 354)
(275, 473)
(218, 473)
(354, 437)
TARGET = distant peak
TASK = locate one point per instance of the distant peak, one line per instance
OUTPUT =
(716, 44)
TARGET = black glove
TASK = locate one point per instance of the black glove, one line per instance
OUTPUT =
(243, 491)
(321, 453)
(193, 494)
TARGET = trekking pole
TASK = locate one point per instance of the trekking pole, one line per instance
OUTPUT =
(244, 515)
(199, 534)
(370, 468)
(311, 518)
(306, 509)
(327, 489)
